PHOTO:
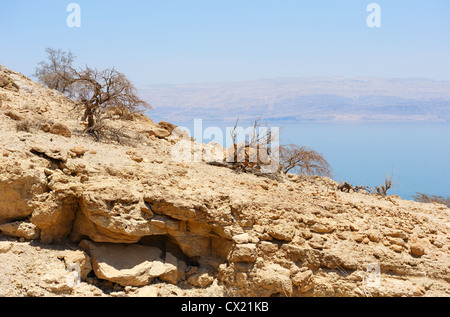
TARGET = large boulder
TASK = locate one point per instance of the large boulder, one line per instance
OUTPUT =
(53, 214)
(18, 187)
(116, 213)
(127, 265)
(20, 229)
(60, 129)
(167, 126)
(158, 132)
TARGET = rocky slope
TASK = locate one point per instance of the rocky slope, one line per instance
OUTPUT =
(121, 218)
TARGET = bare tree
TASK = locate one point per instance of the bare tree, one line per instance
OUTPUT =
(256, 147)
(303, 160)
(94, 91)
(48, 73)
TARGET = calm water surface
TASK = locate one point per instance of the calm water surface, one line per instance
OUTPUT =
(417, 154)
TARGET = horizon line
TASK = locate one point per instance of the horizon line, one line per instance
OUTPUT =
(294, 78)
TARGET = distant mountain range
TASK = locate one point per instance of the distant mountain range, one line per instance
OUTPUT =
(304, 99)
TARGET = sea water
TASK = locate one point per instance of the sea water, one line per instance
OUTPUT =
(416, 155)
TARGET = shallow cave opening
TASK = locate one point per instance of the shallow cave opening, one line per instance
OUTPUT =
(167, 244)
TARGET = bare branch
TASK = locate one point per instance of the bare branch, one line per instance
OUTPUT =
(303, 160)
(425, 198)
(93, 90)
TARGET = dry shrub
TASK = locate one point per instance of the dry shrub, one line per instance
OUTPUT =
(383, 189)
(425, 198)
(255, 151)
(23, 126)
(378, 190)
(303, 161)
(99, 94)
(7, 83)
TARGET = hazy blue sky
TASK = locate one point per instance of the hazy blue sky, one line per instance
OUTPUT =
(183, 41)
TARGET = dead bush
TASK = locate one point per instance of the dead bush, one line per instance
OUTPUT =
(23, 126)
(98, 94)
(7, 83)
(303, 161)
(383, 189)
(429, 199)
(254, 151)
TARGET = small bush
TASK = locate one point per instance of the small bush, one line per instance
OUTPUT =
(378, 190)
(7, 83)
(383, 189)
(425, 198)
(23, 126)
(303, 161)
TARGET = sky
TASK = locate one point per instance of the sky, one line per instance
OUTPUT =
(200, 41)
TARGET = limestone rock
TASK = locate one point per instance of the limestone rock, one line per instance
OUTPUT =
(53, 214)
(395, 233)
(137, 158)
(374, 236)
(396, 248)
(358, 237)
(174, 269)
(304, 281)
(245, 238)
(280, 232)
(78, 150)
(167, 126)
(147, 291)
(111, 212)
(244, 253)
(158, 132)
(127, 265)
(18, 188)
(316, 242)
(417, 249)
(202, 279)
(397, 241)
(57, 281)
(60, 129)
(323, 227)
(46, 127)
(419, 291)
(14, 115)
(81, 259)
(50, 152)
(5, 246)
(273, 279)
(20, 229)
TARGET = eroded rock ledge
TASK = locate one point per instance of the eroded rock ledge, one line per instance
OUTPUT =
(297, 238)
(139, 220)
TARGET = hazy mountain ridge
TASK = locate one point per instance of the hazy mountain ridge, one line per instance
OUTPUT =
(315, 99)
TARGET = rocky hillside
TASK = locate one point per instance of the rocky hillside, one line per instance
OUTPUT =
(120, 218)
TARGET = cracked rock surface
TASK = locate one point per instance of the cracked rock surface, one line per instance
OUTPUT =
(129, 221)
